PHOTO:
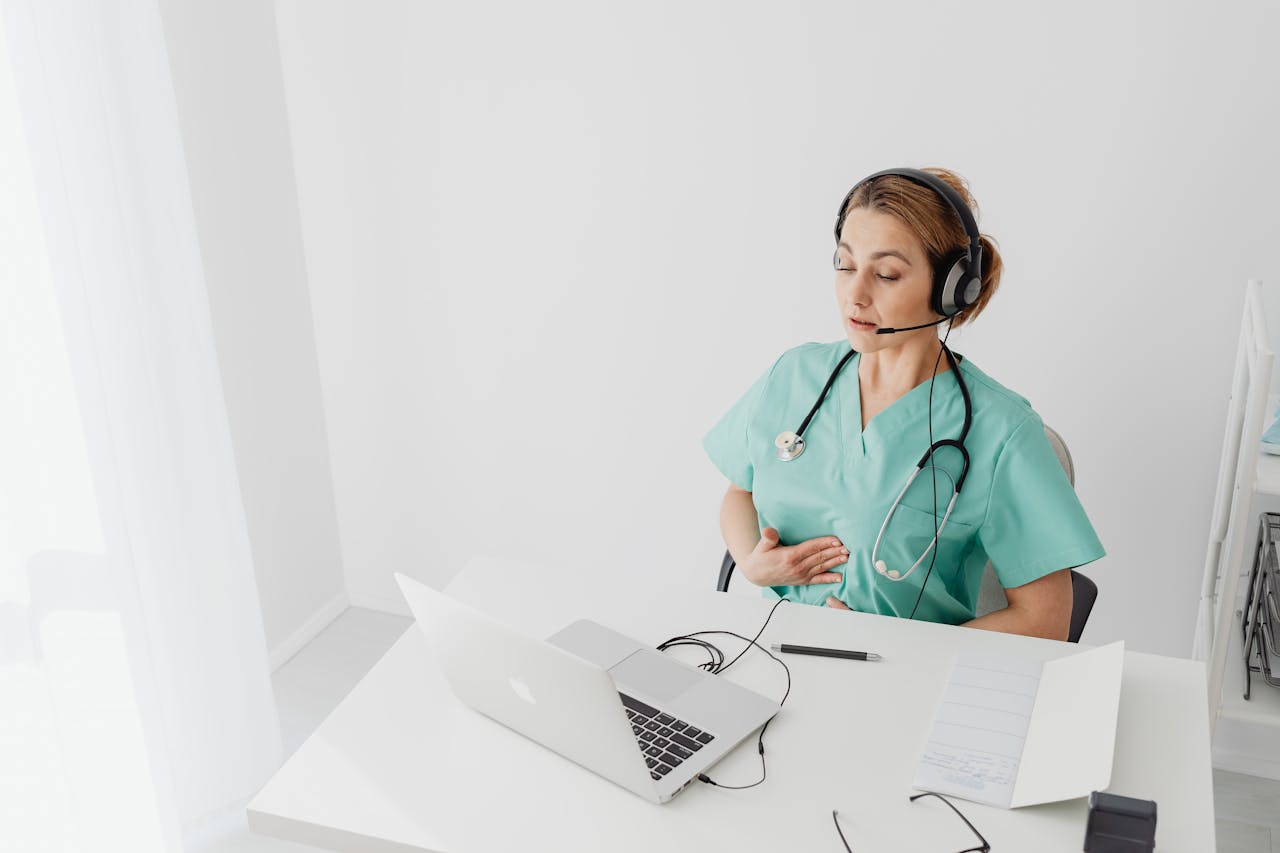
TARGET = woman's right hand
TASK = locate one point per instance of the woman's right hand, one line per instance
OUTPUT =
(811, 561)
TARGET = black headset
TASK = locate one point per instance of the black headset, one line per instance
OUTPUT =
(957, 278)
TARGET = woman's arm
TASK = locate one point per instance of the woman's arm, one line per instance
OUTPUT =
(763, 560)
(1041, 608)
(739, 523)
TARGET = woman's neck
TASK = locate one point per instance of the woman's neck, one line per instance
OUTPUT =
(895, 371)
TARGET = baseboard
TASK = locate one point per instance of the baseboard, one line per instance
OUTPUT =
(394, 604)
(308, 631)
(1250, 765)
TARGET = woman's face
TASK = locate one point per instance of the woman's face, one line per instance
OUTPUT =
(883, 279)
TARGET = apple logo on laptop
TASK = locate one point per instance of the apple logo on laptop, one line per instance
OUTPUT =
(521, 689)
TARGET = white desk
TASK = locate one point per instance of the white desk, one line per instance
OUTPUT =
(401, 765)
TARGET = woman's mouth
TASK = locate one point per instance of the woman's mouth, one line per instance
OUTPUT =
(858, 324)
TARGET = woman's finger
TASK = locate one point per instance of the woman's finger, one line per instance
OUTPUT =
(819, 544)
(824, 560)
(811, 550)
(836, 603)
(826, 577)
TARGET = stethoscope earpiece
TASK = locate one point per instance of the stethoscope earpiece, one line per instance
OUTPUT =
(892, 574)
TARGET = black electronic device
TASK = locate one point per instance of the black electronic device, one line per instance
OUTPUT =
(1120, 824)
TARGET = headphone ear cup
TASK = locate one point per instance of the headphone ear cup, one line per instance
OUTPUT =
(952, 284)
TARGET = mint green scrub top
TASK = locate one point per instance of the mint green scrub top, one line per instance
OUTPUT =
(1016, 508)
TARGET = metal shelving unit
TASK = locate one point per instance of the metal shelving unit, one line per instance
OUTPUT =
(1260, 618)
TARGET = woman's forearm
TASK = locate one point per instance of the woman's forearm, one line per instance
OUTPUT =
(1014, 620)
(739, 523)
(1041, 608)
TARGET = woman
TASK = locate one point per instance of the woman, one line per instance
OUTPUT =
(810, 513)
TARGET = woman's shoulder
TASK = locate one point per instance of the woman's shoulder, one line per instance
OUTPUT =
(807, 367)
(993, 398)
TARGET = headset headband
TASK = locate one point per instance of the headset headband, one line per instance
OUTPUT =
(973, 253)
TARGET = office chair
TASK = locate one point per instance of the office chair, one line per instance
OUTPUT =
(1084, 592)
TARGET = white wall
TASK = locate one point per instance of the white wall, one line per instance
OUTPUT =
(549, 244)
(226, 70)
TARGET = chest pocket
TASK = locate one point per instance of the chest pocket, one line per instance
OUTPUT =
(908, 535)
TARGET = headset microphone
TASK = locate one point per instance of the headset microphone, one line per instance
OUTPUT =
(909, 328)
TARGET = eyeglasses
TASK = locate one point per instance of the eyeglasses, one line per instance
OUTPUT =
(984, 847)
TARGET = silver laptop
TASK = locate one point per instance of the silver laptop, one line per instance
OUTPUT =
(627, 712)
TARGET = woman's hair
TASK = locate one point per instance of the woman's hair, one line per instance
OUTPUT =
(933, 221)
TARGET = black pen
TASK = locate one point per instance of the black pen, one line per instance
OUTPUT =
(826, 653)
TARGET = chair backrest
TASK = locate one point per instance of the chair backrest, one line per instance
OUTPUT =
(1084, 592)
(991, 597)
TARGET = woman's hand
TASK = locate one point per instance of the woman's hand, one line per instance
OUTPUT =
(811, 561)
(836, 603)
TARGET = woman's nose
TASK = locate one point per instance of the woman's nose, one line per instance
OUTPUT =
(858, 286)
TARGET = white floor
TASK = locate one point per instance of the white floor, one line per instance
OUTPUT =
(310, 685)
(1248, 813)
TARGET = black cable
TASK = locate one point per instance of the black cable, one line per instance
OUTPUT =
(753, 639)
(764, 772)
(835, 816)
(712, 665)
(933, 472)
(716, 666)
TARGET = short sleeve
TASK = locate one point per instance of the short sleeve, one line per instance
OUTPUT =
(728, 441)
(1035, 524)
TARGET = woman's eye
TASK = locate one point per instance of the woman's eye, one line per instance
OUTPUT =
(855, 269)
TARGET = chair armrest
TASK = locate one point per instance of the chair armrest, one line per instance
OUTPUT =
(726, 573)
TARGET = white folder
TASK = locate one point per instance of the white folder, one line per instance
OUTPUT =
(1013, 732)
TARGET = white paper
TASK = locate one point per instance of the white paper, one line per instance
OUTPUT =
(980, 728)
(1012, 732)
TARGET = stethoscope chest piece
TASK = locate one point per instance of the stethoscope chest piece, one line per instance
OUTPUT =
(789, 446)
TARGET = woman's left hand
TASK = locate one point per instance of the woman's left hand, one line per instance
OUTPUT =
(832, 601)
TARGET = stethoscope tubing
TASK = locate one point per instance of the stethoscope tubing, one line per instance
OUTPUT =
(894, 574)
(791, 445)
(831, 380)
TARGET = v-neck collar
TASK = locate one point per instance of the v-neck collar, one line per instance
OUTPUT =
(896, 414)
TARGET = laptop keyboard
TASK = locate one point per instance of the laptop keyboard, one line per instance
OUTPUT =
(665, 740)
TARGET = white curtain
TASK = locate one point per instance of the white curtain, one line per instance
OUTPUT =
(135, 694)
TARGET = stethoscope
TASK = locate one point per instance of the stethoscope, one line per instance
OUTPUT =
(790, 445)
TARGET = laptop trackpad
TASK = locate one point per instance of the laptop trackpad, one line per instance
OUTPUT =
(654, 675)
